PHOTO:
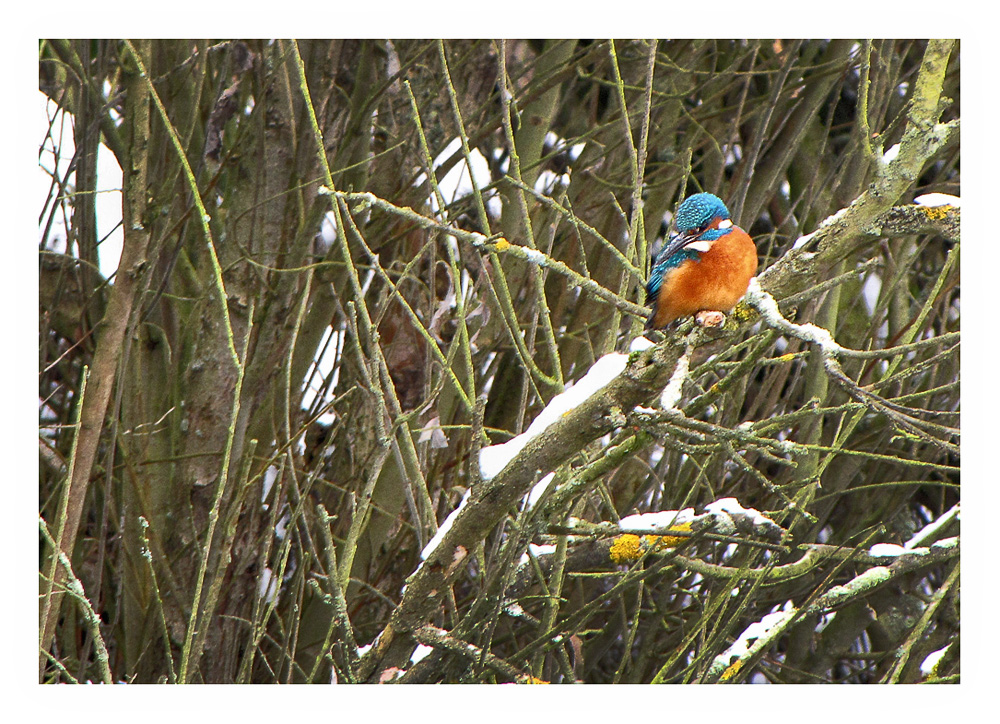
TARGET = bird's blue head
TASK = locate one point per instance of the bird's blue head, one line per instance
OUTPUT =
(699, 210)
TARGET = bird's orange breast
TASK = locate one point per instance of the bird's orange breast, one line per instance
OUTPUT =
(716, 281)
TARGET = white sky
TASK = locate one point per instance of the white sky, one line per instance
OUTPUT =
(109, 184)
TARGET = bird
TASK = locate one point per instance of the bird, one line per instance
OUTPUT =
(704, 268)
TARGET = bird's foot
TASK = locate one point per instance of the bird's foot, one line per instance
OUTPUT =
(710, 318)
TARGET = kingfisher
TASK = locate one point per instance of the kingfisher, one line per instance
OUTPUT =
(704, 268)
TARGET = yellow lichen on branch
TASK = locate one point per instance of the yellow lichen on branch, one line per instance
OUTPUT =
(630, 547)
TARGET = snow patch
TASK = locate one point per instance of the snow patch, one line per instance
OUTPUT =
(494, 458)
(938, 200)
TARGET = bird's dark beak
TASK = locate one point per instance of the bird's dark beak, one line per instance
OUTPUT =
(678, 241)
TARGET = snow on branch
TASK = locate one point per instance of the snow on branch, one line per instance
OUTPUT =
(762, 634)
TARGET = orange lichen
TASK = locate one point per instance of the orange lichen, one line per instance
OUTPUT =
(502, 244)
